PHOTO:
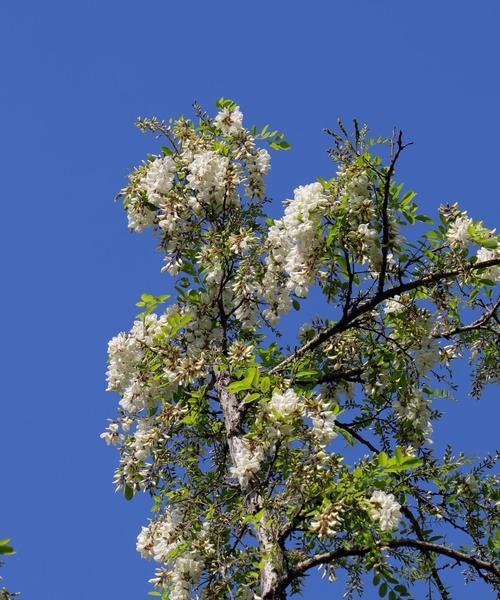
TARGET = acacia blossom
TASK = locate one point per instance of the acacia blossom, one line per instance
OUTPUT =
(158, 179)
(157, 541)
(323, 423)
(385, 509)
(207, 174)
(483, 254)
(247, 459)
(258, 165)
(140, 216)
(414, 409)
(294, 242)
(285, 404)
(230, 120)
(458, 232)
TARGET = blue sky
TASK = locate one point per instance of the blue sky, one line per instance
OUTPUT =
(74, 77)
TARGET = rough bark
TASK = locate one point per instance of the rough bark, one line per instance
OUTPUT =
(274, 571)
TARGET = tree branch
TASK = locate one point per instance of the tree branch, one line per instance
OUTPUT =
(346, 321)
(423, 546)
(477, 324)
(385, 213)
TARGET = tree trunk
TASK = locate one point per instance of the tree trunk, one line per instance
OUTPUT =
(274, 569)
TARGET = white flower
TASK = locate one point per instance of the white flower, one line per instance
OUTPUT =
(294, 241)
(370, 252)
(139, 216)
(328, 520)
(415, 409)
(258, 165)
(124, 355)
(158, 179)
(207, 173)
(144, 437)
(395, 305)
(229, 120)
(111, 435)
(247, 461)
(284, 403)
(166, 537)
(239, 352)
(323, 424)
(458, 232)
(483, 254)
(145, 542)
(472, 483)
(385, 509)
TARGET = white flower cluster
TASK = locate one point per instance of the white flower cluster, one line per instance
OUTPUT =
(356, 187)
(112, 434)
(281, 408)
(230, 121)
(156, 181)
(126, 352)
(427, 352)
(247, 459)
(328, 520)
(370, 252)
(323, 424)
(385, 509)
(179, 194)
(158, 541)
(294, 241)
(144, 437)
(140, 217)
(159, 178)
(458, 232)
(207, 174)
(396, 305)
(483, 254)
(285, 404)
(414, 409)
(258, 165)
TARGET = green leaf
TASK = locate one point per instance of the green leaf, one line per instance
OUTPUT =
(382, 459)
(280, 145)
(128, 492)
(265, 384)
(306, 374)
(407, 198)
(490, 243)
(382, 590)
(251, 397)
(411, 462)
(251, 378)
(5, 548)
(424, 219)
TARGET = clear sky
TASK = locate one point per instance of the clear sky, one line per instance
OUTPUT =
(74, 76)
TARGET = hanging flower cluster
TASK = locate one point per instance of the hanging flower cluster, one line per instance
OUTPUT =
(294, 243)
(385, 509)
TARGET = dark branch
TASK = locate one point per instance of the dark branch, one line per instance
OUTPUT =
(423, 546)
(346, 321)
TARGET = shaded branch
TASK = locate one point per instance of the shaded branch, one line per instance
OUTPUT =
(421, 545)
(477, 324)
(367, 306)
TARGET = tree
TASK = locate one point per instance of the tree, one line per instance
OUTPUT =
(266, 456)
